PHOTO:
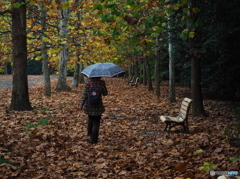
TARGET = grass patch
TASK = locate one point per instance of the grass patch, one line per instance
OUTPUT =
(30, 125)
(43, 122)
(44, 109)
(33, 125)
(40, 122)
(3, 160)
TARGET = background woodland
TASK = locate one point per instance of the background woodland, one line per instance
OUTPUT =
(178, 48)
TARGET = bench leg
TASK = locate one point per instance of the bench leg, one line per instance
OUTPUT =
(167, 126)
(186, 129)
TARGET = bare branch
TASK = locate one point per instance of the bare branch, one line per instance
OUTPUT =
(5, 12)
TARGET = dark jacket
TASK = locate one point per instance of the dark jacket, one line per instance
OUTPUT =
(93, 110)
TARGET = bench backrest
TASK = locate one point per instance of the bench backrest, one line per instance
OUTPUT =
(131, 78)
(136, 80)
(185, 106)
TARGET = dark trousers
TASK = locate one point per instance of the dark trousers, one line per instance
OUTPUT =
(93, 127)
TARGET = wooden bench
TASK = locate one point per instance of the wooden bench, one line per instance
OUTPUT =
(131, 80)
(134, 83)
(181, 119)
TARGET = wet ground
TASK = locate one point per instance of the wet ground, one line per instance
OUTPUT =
(33, 80)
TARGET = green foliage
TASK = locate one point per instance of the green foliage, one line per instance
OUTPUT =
(30, 125)
(42, 122)
(207, 166)
(2, 70)
(235, 158)
(44, 109)
(18, 4)
(98, 7)
(3, 160)
(32, 2)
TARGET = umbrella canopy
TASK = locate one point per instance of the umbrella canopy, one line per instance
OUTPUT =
(102, 70)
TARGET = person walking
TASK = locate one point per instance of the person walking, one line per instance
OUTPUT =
(94, 110)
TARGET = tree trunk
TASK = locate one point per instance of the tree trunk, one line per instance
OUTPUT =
(141, 71)
(157, 69)
(45, 69)
(62, 76)
(6, 68)
(76, 74)
(148, 72)
(81, 76)
(196, 90)
(144, 73)
(171, 51)
(136, 72)
(20, 96)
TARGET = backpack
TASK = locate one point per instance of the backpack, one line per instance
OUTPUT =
(94, 94)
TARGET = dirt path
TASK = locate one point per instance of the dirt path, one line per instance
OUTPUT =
(33, 80)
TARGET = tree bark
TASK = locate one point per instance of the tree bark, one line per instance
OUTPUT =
(196, 90)
(136, 72)
(20, 96)
(144, 72)
(45, 69)
(81, 76)
(6, 68)
(76, 74)
(148, 72)
(171, 51)
(62, 76)
(157, 67)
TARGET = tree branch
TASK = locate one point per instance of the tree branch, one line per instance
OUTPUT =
(5, 12)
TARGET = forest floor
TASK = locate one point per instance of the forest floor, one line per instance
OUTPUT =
(51, 142)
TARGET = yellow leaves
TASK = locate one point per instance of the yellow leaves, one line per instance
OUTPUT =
(45, 39)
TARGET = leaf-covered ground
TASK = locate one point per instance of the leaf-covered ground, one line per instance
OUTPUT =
(50, 141)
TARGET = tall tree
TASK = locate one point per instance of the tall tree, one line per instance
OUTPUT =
(62, 76)
(171, 97)
(78, 77)
(45, 69)
(196, 89)
(157, 66)
(20, 96)
(148, 73)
